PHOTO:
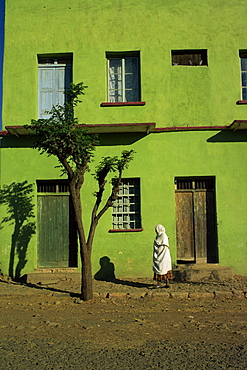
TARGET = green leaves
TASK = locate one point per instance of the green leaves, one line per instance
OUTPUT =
(60, 134)
(75, 91)
(113, 164)
(126, 157)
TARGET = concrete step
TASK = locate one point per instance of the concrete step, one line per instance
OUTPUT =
(202, 272)
(54, 276)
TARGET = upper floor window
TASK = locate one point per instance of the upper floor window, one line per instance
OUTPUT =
(189, 57)
(123, 77)
(54, 78)
(126, 209)
(243, 66)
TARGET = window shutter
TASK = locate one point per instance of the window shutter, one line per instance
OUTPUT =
(54, 80)
(46, 89)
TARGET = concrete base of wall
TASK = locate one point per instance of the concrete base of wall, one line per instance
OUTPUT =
(54, 276)
(202, 272)
(196, 272)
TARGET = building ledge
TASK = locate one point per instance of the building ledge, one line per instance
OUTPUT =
(190, 128)
(123, 104)
(92, 128)
(119, 128)
(124, 230)
(240, 102)
(238, 125)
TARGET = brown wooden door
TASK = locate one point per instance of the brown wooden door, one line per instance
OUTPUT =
(200, 225)
(185, 226)
(196, 231)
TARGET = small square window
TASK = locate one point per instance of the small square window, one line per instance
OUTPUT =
(123, 77)
(126, 209)
(189, 57)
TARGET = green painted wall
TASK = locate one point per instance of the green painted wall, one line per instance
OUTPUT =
(174, 96)
(206, 153)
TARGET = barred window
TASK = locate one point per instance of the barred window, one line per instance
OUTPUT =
(197, 183)
(52, 186)
(126, 209)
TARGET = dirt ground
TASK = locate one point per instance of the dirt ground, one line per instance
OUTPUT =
(128, 325)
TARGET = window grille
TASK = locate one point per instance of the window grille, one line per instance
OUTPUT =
(123, 77)
(126, 209)
(52, 186)
(199, 183)
(189, 57)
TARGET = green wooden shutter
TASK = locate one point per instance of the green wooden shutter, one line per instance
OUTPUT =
(53, 236)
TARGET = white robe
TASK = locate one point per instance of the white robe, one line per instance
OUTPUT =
(161, 253)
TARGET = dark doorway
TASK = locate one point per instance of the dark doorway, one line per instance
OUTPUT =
(196, 224)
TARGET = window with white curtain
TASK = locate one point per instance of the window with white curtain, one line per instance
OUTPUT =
(243, 66)
(126, 209)
(123, 77)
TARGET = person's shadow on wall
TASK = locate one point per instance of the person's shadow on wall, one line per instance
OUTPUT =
(17, 197)
(106, 271)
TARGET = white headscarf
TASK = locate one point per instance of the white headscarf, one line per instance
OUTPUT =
(161, 237)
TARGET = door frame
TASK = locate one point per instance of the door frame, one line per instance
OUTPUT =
(196, 220)
(59, 189)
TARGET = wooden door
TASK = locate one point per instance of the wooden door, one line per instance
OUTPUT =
(196, 231)
(185, 226)
(53, 236)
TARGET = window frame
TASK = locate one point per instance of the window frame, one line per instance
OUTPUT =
(52, 186)
(243, 55)
(56, 63)
(122, 57)
(133, 216)
(195, 57)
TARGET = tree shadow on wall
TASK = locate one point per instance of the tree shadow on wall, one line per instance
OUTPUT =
(17, 197)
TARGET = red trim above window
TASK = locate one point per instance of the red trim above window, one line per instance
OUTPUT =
(124, 230)
(242, 102)
(121, 104)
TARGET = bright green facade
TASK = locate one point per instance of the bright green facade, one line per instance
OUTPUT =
(175, 96)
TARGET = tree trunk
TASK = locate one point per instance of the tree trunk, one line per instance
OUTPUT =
(86, 277)
(85, 249)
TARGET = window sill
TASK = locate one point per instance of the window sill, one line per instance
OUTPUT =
(121, 104)
(242, 102)
(124, 230)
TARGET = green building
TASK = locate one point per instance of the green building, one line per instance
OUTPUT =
(165, 78)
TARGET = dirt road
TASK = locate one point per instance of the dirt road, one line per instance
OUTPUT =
(126, 326)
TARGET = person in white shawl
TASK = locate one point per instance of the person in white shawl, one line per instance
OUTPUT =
(162, 265)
